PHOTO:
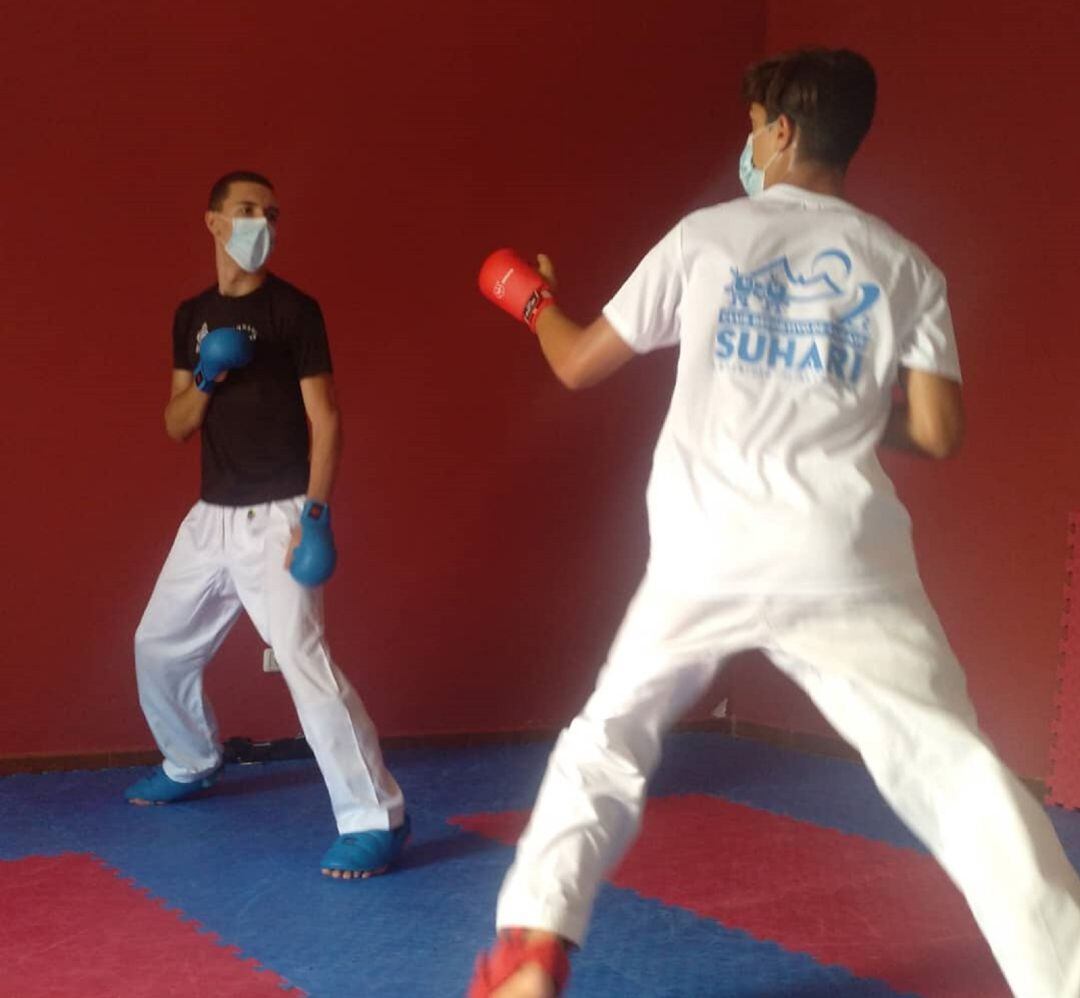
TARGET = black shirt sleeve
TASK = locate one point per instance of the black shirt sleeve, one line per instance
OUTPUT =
(181, 337)
(311, 350)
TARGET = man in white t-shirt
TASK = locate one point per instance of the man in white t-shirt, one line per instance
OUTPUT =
(773, 526)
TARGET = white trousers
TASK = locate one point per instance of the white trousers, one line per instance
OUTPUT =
(881, 671)
(226, 558)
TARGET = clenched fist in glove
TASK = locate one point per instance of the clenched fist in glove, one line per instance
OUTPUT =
(520, 290)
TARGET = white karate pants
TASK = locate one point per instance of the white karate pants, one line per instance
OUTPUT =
(881, 671)
(226, 558)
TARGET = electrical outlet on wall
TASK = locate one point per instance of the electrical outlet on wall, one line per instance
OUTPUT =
(270, 664)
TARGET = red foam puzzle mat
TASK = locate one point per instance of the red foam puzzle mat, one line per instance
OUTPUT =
(1063, 785)
(73, 926)
(878, 910)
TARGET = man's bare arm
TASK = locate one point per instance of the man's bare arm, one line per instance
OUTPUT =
(929, 420)
(579, 356)
(320, 403)
(187, 406)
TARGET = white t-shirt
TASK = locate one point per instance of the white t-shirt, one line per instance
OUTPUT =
(792, 311)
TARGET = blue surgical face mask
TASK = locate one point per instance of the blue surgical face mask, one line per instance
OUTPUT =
(752, 178)
(250, 243)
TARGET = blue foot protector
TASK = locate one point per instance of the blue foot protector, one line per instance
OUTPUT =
(367, 852)
(157, 788)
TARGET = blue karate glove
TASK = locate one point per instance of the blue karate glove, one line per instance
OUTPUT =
(314, 558)
(221, 349)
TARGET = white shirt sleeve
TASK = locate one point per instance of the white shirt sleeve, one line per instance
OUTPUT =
(930, 345)
(645, 310)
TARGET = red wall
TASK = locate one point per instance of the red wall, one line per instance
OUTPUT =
(491, 525)
(972, 155)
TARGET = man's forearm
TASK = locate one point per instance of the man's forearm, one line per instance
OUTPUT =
(927, 415)
(903, 433)
(185, 413)
(580, 356)
(896, 435)
(559, 338)
(326, 441)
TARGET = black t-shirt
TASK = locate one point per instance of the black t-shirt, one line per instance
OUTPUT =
(255, 444)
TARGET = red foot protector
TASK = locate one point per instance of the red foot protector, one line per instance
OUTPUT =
(511, 952)
(73, 926)
(1064, 782)
(873, 908)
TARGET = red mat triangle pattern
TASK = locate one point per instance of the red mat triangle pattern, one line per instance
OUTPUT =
(879, 910)
(74, 926)
(1064, 782)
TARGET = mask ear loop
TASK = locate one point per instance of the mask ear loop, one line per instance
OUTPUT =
(753, 135)
(772, 158)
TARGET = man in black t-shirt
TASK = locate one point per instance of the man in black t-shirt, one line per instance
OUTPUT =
(251, 369)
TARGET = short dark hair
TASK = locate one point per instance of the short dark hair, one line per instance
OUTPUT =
(220, 191)
(828, 93)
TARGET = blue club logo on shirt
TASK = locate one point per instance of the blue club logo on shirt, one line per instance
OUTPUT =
(244, 327)
(809, 326)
